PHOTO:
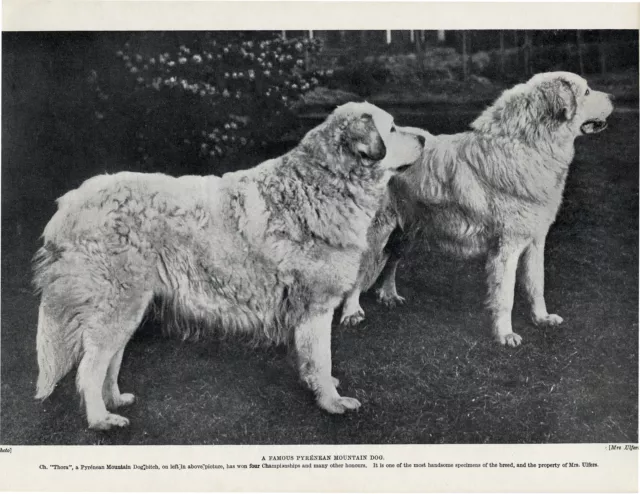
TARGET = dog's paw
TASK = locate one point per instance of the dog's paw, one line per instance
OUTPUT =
(108, 421)
(353, 319)
(548, 320)
(389, 299)
(123, 400)
(340, 404)
(510, 339)
(335, 381)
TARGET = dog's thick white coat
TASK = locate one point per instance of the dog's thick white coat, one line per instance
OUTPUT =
(495, 191)
(268, 252)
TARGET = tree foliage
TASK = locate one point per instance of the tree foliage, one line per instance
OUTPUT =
(206, 98)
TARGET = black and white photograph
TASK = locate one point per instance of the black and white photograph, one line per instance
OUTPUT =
(319, 237)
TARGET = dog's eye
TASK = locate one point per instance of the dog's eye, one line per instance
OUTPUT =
(393, 129)
(586, 93)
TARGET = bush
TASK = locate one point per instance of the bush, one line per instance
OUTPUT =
(205, 99)
(362, 78)
(413, 70)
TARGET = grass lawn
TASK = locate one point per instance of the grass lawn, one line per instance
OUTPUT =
(427, 372)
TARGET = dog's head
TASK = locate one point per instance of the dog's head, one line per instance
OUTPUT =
(556, 103)
(360, 139)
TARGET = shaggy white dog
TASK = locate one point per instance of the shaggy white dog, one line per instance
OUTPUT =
(268, 252)
(493, 191)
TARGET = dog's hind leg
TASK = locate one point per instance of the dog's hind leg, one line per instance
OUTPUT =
(104, 338)
(110, 390)
(396, 248)
(533, 283)
(91, 375)
(387, 294)
(313, 347)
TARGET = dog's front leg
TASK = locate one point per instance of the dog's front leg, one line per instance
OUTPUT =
(502, 265)
(533, 283)
(313, 346)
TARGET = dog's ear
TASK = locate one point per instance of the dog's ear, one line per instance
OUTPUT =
(561, 99)
(364, 140)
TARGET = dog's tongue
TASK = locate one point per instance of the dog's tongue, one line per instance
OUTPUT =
(593, 126)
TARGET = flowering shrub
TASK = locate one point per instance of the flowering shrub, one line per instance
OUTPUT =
(206, 98)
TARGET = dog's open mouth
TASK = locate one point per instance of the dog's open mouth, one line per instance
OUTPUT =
(403, 167)
(593, 126)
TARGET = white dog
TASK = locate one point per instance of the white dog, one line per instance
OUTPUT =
(492, 191)
(268, 252)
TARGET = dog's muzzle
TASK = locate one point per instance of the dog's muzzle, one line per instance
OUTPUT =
(593, 126)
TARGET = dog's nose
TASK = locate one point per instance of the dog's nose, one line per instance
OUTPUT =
(421, 140)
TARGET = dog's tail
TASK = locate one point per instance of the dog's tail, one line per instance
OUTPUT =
(57, 345)
(55, 355)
